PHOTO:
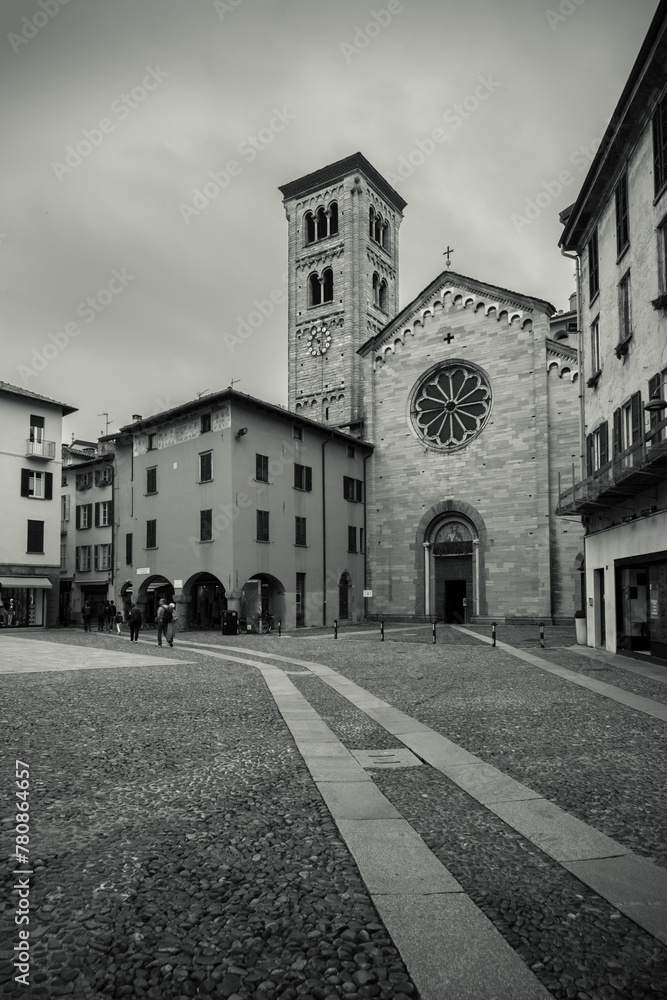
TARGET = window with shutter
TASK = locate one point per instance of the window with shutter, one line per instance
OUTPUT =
(299, 531)
(25, 482)
(589, 454)
(206, 467)
(660, 145)
(617, 440)
(351, 539)
(622, 225)
(48, 486)
(593, 267)
(151, 534)
(262, 526)
(128, 549)
(205, 525)
(637, 415)
(151, 480)
(35, 543)
(262, 468)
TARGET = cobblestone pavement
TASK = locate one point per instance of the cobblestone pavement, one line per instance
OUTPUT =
(180, 847)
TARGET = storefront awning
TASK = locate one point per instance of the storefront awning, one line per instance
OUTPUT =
(157, 585)
(25, 581)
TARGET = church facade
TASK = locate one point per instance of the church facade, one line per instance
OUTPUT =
(469, 396)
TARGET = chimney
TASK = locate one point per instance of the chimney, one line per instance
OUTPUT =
(136, 416)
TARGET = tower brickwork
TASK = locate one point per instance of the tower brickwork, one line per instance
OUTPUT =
(343, 224)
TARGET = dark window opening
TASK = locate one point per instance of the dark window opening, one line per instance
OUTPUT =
(622, 224)
(262, 468)
(299, 531)
(205, 525)
(333, 218)
(151, 480)
(303, 477)
(660, 145)
(351, 539)
(128, 550)
(593, 267)
(327, 285)
(35, 541)
(322, 226)
(151, 534)
(262, 526)
(310, 227)
(206, 467)
(314, 290)
(205, 423)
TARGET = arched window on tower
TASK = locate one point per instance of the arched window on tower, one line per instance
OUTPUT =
(314, 290)
(385, 235)
(310, 227)
(382, 296)
(371, 222)
(377, 229)
(321, 224)
(376, 287)
(327, 285)
(333, 218)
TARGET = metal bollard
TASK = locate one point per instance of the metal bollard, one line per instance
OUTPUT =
(493, 633)
(335, 628)
(434, 638)
(381, 631)
(542, 634)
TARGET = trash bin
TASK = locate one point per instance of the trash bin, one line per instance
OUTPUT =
(230, 622)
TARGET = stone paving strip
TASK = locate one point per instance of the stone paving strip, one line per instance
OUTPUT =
(635, 886)
(17, 656)
(638, 702)
(422, 905)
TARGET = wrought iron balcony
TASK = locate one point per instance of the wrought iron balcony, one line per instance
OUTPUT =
(633, 471)
(40, 449)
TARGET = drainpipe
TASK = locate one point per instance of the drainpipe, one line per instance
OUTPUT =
(365, 538)
(324, 535)
(580, 351)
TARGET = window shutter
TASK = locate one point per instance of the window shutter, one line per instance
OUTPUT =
(78, 517)
(360, 490)
(25, 482)
(604, 444)
(636, 416)
(128, 549)
(48, 486)
(97, 515)
(616, 435)
(97, 556)
(35, 536)
(589, 454)
(309, 479)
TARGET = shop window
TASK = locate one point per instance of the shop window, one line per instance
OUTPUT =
(35, 543)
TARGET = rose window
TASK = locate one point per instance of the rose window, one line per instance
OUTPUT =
(451, 406)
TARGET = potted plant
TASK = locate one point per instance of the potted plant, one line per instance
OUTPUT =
(580, 625)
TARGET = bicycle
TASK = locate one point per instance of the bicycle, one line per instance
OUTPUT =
(263, 624)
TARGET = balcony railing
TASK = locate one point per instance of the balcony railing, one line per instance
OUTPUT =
(40, 449)
(633, 471)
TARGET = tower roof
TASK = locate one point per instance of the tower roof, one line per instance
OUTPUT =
(338, 170)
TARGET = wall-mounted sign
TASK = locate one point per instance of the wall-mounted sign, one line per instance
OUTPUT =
(178, 584)
(144, 571)
(368, 593)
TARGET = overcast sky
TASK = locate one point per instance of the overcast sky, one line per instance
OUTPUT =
(119, 285)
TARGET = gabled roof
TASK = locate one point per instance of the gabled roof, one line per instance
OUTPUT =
(337, 171)
(641, 92)
(15, 390)
(463, 283)
(203, 403)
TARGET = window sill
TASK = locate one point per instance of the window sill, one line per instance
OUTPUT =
(301, 545)
(263, 541)
(264, 482)
(150, 548)
(205, 541)
(301, 489)
(622, 347)
(153, 494)
(592, 382)
(660, 302)
(201, 482)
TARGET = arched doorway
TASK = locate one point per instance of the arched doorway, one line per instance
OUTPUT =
(263, 594)
(207, 599)
(344, 585)
(151, 591)
(451, 549)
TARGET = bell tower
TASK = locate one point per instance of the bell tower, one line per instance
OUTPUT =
(343, 223)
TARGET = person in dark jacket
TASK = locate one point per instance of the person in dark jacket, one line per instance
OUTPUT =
(86, 612)
(136, 621)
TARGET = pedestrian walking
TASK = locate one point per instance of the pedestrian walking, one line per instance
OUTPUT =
(162, 620)
(110, 615)
(86, 612)
(119, 622)
(171, 628)
(101, 610)
(136, 621)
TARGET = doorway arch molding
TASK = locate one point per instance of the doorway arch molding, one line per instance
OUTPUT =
(438, 513)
